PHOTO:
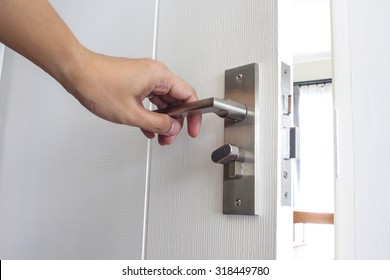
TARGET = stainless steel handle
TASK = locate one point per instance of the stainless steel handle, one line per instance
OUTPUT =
(222, 107)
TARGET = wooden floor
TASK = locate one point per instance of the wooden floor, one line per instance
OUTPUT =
(313, 218)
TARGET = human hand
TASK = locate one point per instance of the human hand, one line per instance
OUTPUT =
(114, 89)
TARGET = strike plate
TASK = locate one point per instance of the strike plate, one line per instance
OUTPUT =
(290, 136)
(239, 192)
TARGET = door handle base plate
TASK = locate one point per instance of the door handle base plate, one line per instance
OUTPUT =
(239, 192)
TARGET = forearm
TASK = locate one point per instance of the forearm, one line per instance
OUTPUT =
(110, 87)
(34, 29)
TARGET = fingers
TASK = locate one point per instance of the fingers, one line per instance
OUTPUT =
(148, 134)
(165, 89)
(194, 122)
(166, 127)
(158, 101)
(152, 123)
(185, 93)
(174, 90)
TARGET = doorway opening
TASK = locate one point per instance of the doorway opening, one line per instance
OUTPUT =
(313, 114)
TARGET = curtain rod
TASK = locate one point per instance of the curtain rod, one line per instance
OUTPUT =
(313, 82)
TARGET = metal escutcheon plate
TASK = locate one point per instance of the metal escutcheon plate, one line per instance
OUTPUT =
(239, 192)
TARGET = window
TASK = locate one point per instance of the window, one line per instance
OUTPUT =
(314, 184)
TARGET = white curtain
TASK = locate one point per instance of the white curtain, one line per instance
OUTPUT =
(315, 190)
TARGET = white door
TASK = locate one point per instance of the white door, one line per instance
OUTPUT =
(362, 104)
(73, 186)
(199, 40)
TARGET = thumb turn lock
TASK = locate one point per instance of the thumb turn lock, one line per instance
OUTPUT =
(233, 157)
(228, 153)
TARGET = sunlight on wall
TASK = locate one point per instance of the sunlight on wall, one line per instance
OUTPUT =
(312, 35)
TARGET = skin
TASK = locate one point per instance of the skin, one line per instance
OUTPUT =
(112, 88)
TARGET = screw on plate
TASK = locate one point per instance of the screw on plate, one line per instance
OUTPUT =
(285, 174)
(239, 77)
(238, 202)
(286, 194)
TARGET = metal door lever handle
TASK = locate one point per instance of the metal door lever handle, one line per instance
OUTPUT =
(222, 107)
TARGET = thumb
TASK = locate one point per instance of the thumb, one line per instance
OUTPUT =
(161, 124)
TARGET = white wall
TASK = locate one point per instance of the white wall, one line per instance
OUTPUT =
(311, 40)
(311, 30)
(72, 185)
(361, 43)
(313, 70)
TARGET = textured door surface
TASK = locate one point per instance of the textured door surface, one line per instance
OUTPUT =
(72, 185)
(362, 102)
(199, 40)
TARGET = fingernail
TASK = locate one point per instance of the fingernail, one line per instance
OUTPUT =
(175, 128)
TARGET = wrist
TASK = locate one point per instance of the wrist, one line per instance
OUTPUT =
(72, 69)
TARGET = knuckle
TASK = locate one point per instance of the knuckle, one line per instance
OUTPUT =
(155, 65)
